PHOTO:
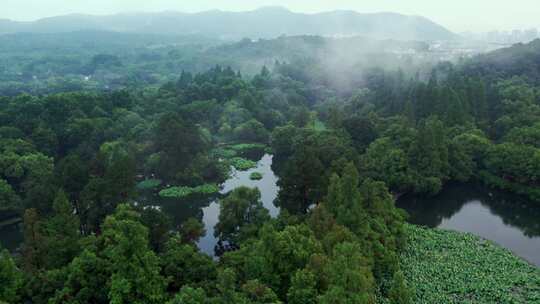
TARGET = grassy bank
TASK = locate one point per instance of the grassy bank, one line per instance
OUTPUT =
(451, 267)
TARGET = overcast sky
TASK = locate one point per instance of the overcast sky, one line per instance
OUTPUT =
(457, 15)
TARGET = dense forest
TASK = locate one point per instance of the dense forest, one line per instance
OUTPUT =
(107, 61)
(77, 156)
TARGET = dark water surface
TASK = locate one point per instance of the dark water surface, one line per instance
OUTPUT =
(205, 208)
(267, 185)
(508, 220)
(11, 237)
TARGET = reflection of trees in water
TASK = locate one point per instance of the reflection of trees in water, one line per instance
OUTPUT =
(11, 237)
(515, 211)
(512, 209)
(254, 154)
(181, 209)
(293, 206)
(430, 211)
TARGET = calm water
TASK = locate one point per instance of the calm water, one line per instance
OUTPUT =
(267, 186)
(11, 237)
(206, 209)
(505, 219)
(501, 217)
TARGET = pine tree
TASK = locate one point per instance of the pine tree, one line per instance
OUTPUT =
(62, 233)
(11, 279)
(34, 241)
(399, 292)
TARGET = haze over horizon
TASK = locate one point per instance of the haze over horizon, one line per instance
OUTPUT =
(458, 16)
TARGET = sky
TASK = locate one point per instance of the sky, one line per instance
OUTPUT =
(456, 15)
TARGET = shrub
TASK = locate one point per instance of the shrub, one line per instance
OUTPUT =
(149, 184)
(242, 164)
(180, 192)
(256, 176)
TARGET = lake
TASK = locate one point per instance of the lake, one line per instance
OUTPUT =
(508, 220)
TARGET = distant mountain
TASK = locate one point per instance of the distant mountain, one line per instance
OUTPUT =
(269, 22)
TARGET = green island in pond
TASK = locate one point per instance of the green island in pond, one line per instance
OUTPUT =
(452, 267)
(180, 192)
(256, 176)
(242, 164)
(149, 184)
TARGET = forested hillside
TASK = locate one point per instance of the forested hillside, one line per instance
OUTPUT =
(75, 164)
(103, 61)
(267, 22)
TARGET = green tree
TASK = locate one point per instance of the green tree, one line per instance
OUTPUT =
(251, 131)
(73, 174)
(189, 295)
(399, 292)
(303, 289)
(344, 201)
(11, 278)
(86, 281)
(429, 156)
(62, 233)
(183, 264)
(34, 242)
(135, 268)
(192, 230)
(178, 142)
(227, 288)
(9, 200)
(302, 181)
(349, 275)
(113, 182)
(258, 293)
(159, 226)
(241, 214)
(385, 161)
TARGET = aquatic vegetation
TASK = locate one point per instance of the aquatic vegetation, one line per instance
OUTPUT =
(149, 184)
(224, 153)
(244, 147)
(256, 176)
(229, 152)
(183, 191)
(242, 164)
(451, 267)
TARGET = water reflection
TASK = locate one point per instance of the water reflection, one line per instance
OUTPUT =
(506, 219)
(11, 237)
(267, 185)
(205, 208)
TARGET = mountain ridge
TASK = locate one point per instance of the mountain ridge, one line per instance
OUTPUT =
(265, 22)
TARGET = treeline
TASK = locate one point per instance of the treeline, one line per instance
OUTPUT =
(416, 135)
(69, 163)
(108, 61)
(326, 257)
(95, 146)
(69, 160)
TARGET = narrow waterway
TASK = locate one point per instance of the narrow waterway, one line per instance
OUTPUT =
(267, 185)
